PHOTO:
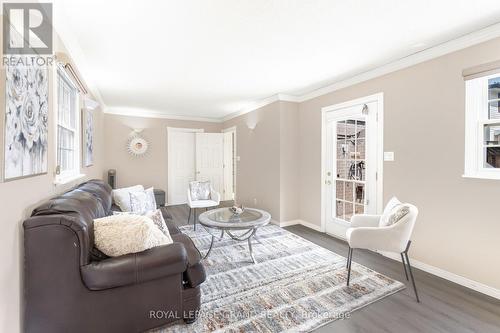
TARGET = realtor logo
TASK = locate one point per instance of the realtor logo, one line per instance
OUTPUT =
(27, 28)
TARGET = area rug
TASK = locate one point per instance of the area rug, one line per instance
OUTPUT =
(295, 286)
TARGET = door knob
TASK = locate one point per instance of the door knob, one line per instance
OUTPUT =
(327, 182)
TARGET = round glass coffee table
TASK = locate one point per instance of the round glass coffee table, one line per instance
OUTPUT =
(227, 222)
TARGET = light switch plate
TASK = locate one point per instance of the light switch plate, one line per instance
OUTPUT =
(388, 156)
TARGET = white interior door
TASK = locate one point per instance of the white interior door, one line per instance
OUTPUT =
(181, 164)
(351, 165)
(210, 159)
(228, 193)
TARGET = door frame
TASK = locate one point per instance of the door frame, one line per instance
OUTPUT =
(379, 99)
(169, 172)
(235, 160)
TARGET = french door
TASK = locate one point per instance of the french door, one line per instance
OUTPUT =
(351, 164)
(194, 155)
(210, 159)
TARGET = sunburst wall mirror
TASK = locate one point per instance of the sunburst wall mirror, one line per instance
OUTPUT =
(137, 145)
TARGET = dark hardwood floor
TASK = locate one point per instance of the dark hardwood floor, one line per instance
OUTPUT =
(444, 306)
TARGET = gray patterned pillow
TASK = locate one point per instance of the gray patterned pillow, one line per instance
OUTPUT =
(158, 220)
(398, 213)
(199, 190)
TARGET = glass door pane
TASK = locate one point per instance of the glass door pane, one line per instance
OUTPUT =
(351, 168)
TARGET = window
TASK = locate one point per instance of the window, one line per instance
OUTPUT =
(68, 162)
(482, 153)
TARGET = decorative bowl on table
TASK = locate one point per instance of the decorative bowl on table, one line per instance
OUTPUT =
(237, 210)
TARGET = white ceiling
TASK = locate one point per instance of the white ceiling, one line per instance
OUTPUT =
(213, 58)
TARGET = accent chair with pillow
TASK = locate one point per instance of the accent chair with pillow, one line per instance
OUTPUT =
(71, 286)
(389, 232)
(201, 195)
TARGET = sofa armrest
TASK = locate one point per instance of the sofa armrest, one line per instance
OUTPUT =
(135, 268)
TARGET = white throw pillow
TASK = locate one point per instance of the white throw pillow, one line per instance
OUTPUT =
(138, 202)
(384, 219)
(151, 203)
(398, 213)
(117, 235)
(199, 190)
(142, 202)
(121, 196)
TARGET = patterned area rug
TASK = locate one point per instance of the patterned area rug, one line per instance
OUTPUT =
(295, 286)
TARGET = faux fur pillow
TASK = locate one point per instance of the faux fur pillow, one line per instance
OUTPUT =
(117, 235)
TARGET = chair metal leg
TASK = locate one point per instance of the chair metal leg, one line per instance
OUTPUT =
(404, 265)
(195, 218)
(349, 266)
(411, 273)
(189, 217)
(348, 256)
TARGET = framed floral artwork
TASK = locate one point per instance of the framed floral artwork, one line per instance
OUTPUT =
(88, 138)
(26, 121)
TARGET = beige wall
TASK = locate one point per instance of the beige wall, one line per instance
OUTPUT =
(258, 171)
(458, 227)
(148, 170)
(289, 161)
(267, 173)
(18, 198)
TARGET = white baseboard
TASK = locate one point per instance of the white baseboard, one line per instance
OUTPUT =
(458, 279)
(302, 222)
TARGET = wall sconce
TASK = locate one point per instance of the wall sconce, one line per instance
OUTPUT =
(252, 121)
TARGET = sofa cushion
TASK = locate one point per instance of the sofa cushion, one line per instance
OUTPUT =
(117, 235)
(195, 272)
(135, 267)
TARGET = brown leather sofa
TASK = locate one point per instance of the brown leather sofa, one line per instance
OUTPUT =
(70, 286)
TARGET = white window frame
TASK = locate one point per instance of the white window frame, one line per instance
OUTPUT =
(67, 176)
(476, 116)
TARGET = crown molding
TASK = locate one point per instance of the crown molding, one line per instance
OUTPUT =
(467, 40)
(74, 50)
(146, 113)
(453, 45)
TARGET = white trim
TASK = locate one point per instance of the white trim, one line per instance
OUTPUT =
(68, 179)
(182, 129)
(146, 113)
(72, 45)
(169, 176)
(89, 103)
(229, 129)
(379, 99)
(458, 279)
(467, 40)
(297, 222)
(235, 158)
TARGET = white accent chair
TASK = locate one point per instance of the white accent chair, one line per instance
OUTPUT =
(371, 232)
(214, 201)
